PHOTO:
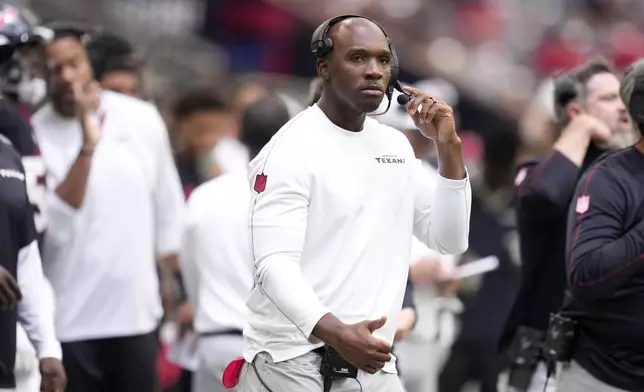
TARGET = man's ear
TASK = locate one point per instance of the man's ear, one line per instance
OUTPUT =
(573, 109)
(322, 68)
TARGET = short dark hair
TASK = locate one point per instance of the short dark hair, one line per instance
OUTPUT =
(572, 86)
(112, 53)
(632, 93)
(198, 100)
(261, 120)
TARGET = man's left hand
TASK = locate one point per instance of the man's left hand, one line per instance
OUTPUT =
(406, 321)
(53, 375)
(435, 120)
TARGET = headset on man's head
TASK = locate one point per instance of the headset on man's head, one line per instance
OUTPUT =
(322, 45)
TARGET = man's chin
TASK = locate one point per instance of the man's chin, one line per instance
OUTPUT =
(64, 108)
(370, 107)
(623, 139)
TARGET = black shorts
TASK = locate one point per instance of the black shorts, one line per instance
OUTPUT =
(125, 364)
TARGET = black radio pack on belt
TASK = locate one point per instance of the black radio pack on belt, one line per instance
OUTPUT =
(333, 366)
(524, 354)
(560, 339)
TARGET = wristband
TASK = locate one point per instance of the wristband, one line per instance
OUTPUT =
(86, 152)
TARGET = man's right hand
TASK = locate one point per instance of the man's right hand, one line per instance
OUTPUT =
(10, 293)
(355, 342)
(597, 129)
(87, 102)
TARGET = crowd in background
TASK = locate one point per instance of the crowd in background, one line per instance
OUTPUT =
(202, 63)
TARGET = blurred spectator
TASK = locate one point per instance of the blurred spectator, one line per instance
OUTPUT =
(201, 118)
(589, 112)
(115, 65)
(27, 332)
(115, 203)
(229, 154)
(605, 242)
(214, 259)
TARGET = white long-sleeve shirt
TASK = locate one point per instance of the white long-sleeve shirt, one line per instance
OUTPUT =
(215, 257)
(331, 217)
(36, 309)
(426, 297)
(100, 258)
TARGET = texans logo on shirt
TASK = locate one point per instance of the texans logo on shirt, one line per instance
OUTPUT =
(583, 203)
(11, 173)
(260, 183)
(390, 159)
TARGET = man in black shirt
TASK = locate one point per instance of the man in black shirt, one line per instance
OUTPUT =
(605, 276)
(23, 290)
(593, 119)
(19, 35)
(22, 279)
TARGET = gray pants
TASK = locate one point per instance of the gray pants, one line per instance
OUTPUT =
(420, 362)
(573, 378)
(302, 374)
(215, 353)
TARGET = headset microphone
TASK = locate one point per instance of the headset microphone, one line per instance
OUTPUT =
(403, 99)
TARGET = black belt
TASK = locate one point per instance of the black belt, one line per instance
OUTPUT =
(231, 331)
(319, 351)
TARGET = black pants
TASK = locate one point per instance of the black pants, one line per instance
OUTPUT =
(126, 364)
(470, 363)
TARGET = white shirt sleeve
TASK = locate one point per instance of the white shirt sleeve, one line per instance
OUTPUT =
(168, 196)
(442, 212)
(188, 258)
(36, 310)
(62, 218)
(277, 222)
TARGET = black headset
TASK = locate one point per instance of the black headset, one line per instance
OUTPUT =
(322, 45)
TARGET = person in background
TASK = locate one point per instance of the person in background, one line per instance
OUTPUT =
(605, 244)
(26, 309)
(21, 92)
(215, 254)
(230, 154)
(115, 206)
(201, 118)
(23, 294)
(422, 355)
(115, 65)
(22, 81)
(592, 119)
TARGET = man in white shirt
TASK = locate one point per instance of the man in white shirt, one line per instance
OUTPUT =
(215, 256)
(115, 204)
(336, 197)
